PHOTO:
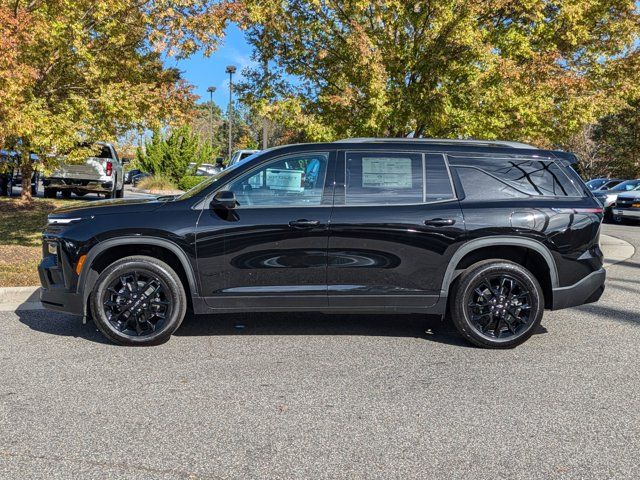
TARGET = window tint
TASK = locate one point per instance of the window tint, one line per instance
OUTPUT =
(438, 184)
(295, 180)
(383, 178)
(626, 186)
(479, 185)
(529, 176)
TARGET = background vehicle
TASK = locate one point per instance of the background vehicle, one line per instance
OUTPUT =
(11, 175)
(598, 184)
(128, 176)
(608, 197)
(627, 207)
(490, 232)
(239, 155)
(102, 174)
(138, 177)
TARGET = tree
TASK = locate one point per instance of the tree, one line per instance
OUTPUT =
(75, 71)
(175, 154)
(534, 70)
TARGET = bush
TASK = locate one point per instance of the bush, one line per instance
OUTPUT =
(190, 181)
(157, 183)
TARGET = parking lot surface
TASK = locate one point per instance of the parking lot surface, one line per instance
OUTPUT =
(327, 396)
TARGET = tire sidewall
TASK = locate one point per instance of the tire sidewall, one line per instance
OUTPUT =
(468, 283)
(176, 294)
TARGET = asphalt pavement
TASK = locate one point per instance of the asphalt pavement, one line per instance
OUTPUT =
(327, 396)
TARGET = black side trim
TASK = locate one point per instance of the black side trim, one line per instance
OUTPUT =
(88, 277)
(587, 290)
(493, 242)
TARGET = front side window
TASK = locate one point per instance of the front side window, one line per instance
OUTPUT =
(296, 180)
(383, 178)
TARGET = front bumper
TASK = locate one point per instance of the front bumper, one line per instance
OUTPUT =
(56, 292)
(626, 212)
(587, 290)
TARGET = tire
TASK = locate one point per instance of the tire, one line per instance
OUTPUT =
(34, 185)
(111, 298)
(120, 193)
(66, 194)
(487, 310)
(50, 193)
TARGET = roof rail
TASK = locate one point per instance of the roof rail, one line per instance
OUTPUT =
(441, 141)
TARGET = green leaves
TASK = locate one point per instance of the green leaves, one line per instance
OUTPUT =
(530, 70)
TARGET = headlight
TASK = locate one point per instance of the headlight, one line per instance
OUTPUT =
(52, 248)
(611, 198)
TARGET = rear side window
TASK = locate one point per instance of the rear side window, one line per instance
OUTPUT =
(514, 177)
(383, 178)
(437, 184)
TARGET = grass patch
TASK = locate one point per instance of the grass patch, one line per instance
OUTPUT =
(157, 183)
(21, 226)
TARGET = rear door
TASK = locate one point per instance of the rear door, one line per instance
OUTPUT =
(394, 226)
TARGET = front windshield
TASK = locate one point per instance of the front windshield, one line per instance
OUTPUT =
(626, 186)
(216, 178)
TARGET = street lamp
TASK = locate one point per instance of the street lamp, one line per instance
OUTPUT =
(211, 90)
(231, 69)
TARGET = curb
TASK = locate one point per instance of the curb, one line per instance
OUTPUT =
(616, 250)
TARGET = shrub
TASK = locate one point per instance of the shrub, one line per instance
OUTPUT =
(190, 181)
(157, 183)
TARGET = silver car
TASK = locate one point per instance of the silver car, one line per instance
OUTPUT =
(608, 197)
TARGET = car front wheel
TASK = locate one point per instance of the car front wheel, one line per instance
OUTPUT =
(138, 300)
(497, 304)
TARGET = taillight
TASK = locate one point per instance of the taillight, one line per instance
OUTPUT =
(109, 168)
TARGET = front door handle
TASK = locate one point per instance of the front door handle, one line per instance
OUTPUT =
(439, 222)
(303, 223)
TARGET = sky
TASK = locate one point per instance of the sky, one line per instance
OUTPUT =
(203, 72)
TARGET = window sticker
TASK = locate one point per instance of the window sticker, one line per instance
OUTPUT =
(389, 172)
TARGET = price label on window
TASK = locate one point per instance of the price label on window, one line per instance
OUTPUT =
(389, 172)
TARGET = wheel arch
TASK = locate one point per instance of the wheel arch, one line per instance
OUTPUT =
(105, 250)
(480, 249)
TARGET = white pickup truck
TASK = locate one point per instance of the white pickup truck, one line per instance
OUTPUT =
(102, 174)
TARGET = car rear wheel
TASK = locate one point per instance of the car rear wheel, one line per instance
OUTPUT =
(138, 300)
(497, 304)
(50, 193)
(66, 194)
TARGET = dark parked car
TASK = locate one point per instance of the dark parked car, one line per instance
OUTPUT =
(135, 179)
(490, 232)
(600, 184)
(128, 176)
(11, 175)
(608, 197)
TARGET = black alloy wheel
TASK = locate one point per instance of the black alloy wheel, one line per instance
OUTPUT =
(497, 304)
(138, 300)
(136, 303)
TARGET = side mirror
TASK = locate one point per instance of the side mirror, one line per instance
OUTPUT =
(224, 200)
(124, 161)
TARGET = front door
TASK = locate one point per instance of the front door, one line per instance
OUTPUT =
(395, 224)
(270, 252)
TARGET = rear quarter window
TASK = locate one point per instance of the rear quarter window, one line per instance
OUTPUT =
(489, 178)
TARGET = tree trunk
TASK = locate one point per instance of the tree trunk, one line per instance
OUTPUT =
(26, 169)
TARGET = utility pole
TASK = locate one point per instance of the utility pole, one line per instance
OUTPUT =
(211, 90)
(231, 69)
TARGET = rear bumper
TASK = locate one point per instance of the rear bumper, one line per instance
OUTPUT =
(626, 212)
(103, 185)
(587, 290)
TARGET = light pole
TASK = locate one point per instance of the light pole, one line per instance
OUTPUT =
(230, 70)
(211, 90)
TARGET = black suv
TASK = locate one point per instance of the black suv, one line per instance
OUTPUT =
(489, 232)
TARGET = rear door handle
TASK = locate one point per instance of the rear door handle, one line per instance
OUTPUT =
(439, 222)
(303, 223)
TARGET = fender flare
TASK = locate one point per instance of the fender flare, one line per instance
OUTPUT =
(495, 242)
(88, 276)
